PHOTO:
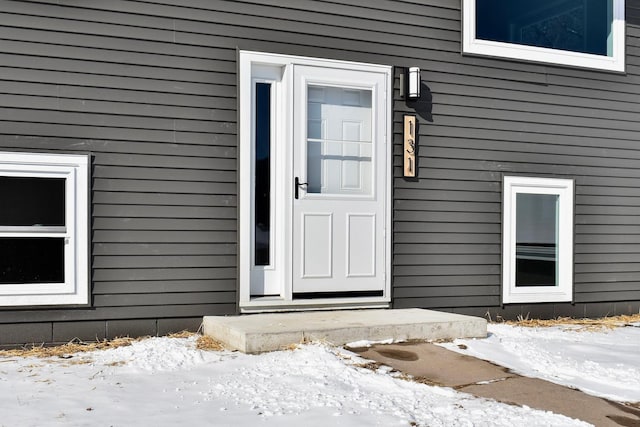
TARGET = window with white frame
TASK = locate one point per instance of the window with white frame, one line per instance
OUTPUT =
(579, 33)
(537, 240)
(43, 229)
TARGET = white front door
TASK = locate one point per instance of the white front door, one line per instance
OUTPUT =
(339, 182)
(315, 171)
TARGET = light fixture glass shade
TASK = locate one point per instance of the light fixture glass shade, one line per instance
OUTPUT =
(414, 82)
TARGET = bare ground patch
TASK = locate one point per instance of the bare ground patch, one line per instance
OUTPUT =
(609, 322)
(78, 346)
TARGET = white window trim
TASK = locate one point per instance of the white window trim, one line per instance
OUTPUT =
(616, 62)
(564, 188)
(75, 170)
(283, 300)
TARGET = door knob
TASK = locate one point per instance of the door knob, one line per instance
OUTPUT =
(297, 185)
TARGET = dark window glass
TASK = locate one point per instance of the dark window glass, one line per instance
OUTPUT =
(31, 260)
(536, 239)
(263, 173)
(574, 25)
(28, 201)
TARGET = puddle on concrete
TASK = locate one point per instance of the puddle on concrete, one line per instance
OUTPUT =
(408, 356)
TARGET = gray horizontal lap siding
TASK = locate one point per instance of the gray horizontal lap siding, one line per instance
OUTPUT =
(159, 119)
(149, 89)
(550, 122)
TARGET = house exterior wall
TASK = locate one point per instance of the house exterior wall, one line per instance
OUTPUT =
(492, 118)
(149, 90)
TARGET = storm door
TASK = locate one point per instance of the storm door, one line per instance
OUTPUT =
(339, 176)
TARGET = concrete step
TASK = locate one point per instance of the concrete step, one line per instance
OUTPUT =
(256, 333)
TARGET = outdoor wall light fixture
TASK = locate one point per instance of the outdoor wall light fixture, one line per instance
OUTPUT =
(410, 83)
(414, 83)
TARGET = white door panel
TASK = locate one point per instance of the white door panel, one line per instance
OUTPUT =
(317, 245)
(339, 152)
(361, 245)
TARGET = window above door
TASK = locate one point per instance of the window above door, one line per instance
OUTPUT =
(577, 33)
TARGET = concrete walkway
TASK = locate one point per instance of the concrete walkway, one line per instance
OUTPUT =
(438, 366)
(255, 333)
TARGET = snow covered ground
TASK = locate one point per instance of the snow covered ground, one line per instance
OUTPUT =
(168, 382)
(603, 363)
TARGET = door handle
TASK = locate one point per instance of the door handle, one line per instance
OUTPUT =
(297, 185)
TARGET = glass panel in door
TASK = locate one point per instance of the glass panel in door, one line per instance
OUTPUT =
(339, 140)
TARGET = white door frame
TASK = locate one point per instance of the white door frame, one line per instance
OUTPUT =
(257, 65)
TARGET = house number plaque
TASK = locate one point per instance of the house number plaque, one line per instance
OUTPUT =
(410, 146)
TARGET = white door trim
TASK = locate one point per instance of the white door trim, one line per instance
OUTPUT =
(282, 298)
